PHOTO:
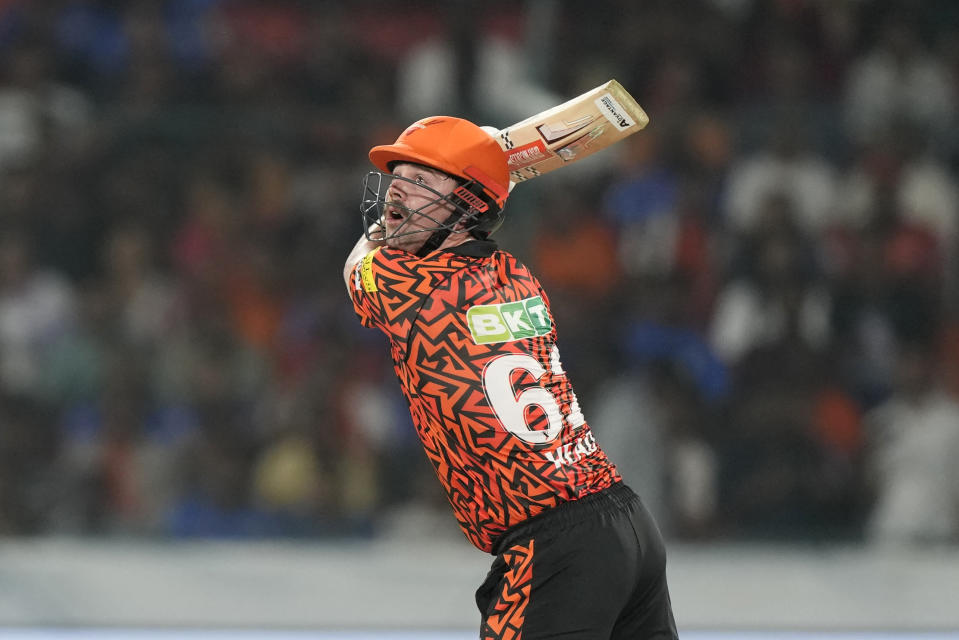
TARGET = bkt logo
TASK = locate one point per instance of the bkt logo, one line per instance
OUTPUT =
(509, 321)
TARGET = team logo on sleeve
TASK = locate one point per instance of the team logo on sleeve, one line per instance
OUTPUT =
(509, 321)
(366, 272)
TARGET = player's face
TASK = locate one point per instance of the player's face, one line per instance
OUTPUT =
(413, 209)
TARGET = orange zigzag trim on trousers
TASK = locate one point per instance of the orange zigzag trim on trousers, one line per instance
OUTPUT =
(508, 614)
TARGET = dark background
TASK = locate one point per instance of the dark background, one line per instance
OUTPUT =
(756, 296)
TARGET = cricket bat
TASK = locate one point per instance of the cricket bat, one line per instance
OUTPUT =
(570, 132)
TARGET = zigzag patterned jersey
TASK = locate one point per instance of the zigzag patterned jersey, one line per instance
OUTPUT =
(474, 347)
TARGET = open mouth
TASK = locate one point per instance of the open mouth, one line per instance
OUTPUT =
(394, 214)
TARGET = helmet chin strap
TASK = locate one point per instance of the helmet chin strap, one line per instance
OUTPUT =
(439, 236)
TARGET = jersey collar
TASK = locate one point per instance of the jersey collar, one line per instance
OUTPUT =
(474, 249)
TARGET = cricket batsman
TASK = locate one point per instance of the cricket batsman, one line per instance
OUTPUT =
(473, 344)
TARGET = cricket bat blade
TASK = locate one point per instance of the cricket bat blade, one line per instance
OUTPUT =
(570, 131)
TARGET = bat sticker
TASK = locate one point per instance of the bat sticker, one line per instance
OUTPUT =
(557, 131)
(614, 111)
(568, 152)
(528, 154)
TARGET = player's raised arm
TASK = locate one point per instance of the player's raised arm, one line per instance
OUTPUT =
(362, 247)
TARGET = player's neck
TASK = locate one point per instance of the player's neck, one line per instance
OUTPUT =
(455, 239)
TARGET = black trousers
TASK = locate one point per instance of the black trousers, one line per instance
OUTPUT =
(591, 569)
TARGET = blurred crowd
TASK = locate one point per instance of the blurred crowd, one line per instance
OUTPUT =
(757, 297)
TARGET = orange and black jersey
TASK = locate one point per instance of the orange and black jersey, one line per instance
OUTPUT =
(474, 347)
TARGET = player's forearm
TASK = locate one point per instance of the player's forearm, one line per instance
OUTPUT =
(362, 247)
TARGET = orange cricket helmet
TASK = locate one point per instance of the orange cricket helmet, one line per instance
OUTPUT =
(454, 146)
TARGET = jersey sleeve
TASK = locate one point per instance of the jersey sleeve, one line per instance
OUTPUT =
(364, 291)
(388, 288)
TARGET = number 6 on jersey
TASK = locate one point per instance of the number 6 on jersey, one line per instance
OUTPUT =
(510, 406)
